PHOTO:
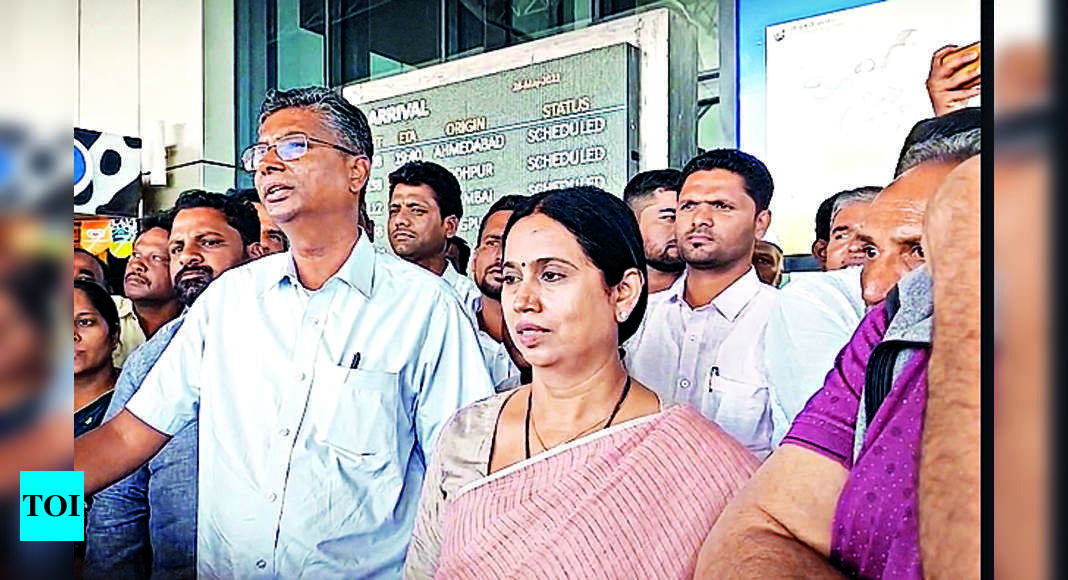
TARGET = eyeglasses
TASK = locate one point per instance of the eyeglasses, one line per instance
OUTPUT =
(289, 148)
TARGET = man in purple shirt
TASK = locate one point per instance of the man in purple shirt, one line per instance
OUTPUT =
(840, 496)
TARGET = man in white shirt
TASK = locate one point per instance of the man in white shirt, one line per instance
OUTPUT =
(425, 207)
(651, 195)
(702, 340)
(314, 438)
(486, 268)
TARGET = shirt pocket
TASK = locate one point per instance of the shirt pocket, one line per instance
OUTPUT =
(361, 414)
(741, 409)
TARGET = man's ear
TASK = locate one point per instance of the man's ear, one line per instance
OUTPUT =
(359, 170)
(255, 250)
(452, 224)
(763, 220)
(819, 251)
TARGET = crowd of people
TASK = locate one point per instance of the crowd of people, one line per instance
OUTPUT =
(603, 386)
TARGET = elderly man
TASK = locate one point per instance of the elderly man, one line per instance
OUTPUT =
(315, 436)
(840, 496)
(817, 313)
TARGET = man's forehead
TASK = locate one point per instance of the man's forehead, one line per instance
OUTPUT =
(713, 183)
(294, 120)
(152, 236)
(495, 223)
(199, 218)
(915, 185)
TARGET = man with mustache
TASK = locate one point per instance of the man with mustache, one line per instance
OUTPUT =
(651, 195)
(847, 212)
(486, 268)
(145, 525)
(150, 301)
(702, 339)
(320, 377)
(425, 207)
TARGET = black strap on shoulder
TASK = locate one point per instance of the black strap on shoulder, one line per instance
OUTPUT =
(892, 303)
(879, 374)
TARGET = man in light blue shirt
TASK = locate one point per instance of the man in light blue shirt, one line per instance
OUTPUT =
(322, 375)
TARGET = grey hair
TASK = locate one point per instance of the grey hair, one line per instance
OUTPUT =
(849, 197)
(955, 148)
(346, 119)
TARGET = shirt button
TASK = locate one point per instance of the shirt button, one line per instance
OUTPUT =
(284, 432)
(302, 377)
(272, 496)
(261, 564)
(693, 337)
(684, 383)
(315, 321)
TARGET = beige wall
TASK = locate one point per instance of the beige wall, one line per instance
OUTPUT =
(145, 61)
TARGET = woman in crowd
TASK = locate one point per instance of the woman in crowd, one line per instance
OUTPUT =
(96, 334)
(581, 472)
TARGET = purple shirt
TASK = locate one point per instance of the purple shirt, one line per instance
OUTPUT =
(875, 533)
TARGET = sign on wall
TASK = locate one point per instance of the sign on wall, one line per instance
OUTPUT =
(107, 173)
(843, 91)
(564, 122)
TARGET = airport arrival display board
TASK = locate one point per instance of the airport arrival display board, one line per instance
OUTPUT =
(564, 122)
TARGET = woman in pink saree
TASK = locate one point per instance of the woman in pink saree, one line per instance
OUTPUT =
(581, 473)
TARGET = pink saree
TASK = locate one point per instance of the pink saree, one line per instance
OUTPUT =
(633, 501)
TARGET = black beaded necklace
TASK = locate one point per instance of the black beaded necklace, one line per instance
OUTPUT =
(612, 417)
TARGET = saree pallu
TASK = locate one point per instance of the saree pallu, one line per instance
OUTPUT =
(634, 501)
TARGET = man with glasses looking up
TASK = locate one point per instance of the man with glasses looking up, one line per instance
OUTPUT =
(315, 437)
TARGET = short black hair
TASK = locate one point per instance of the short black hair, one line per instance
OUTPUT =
(103, 265)
(101, 300)
(823, 218)
(439, 179)
(757, 178)
(160, 219)
(605, 228)
(246, 194)
(463, 254)
(505, 203)
(645, 183)
(239, 213)
(344, 118)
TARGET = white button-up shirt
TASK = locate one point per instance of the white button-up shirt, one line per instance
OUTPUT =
(499, 364)
(711, 357)
(310, 467)
(812, 320)
(466, 289)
